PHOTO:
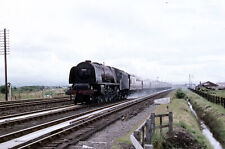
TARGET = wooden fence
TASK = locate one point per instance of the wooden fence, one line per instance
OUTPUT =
(142, 137)
(212, 98)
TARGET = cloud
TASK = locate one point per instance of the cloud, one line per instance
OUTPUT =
(152, 39)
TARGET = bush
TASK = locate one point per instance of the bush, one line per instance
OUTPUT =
(49, 93)
(2, 89)
(180, 94)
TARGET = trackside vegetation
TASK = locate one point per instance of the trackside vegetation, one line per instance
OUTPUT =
(212, 114)
(220, 93)
(29, 92)
(187, 132)
(180, 94)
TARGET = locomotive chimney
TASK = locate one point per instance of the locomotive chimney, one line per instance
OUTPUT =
(88, 61)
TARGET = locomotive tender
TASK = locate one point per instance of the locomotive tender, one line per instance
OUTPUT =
(97, 83)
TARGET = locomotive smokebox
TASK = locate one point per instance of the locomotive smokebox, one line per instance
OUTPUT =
(82, 73)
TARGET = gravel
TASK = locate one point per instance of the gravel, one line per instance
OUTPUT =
(121, 128)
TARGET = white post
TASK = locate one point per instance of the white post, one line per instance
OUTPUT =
(10, 91)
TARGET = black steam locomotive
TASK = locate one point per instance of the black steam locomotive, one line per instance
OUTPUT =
(96, 83)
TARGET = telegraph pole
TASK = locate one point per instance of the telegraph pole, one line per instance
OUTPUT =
(6, 82)
(5, 51)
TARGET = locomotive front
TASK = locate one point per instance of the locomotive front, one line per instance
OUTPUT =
(94, 82)
(82, 77)
(84, 72)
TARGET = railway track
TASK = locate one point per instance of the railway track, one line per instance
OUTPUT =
(80, 124)
(29, 105)
(29, 100)
(12, 135)
(11, 121)
(9, 124)
(13, 116)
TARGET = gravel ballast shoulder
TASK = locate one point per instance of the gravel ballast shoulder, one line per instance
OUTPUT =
(121, 128)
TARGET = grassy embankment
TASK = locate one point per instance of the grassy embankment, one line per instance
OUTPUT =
(182, 118)
(212, 114)
(29, 92)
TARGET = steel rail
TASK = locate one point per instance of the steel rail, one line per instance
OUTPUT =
(26, 104)
(10, 123)
(31, 112)
(30, 100)
(19, 133)
(80, 123)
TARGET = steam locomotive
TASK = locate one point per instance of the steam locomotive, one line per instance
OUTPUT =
(96, 83)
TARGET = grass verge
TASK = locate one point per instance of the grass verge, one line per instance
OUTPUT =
(212, 114)
(182, 118)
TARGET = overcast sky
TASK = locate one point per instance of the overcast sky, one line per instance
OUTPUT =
(164, 39)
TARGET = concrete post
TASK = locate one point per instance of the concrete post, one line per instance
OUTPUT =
(170, 122)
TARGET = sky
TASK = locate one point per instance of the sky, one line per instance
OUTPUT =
(153, 39)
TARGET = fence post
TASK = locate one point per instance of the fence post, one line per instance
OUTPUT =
(148, 135)
(221, 101)
(224, 102)
(207, 96)
(209, 99)
(137, 135)
(143, 136)
(152, 126)
(160, 126)
(170, 122)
